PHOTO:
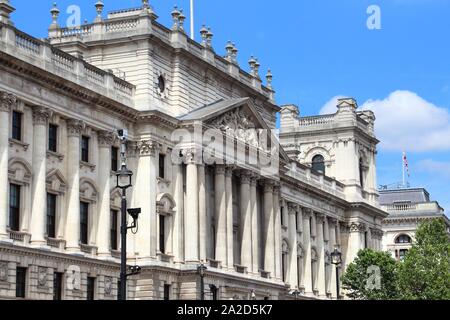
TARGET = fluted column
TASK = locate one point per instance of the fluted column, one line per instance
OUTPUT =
(332, 232)
(292, 277)
(105, 142)
(255, 233)
(307, 281)
(38, 190)
(277, 231)
(246, 227)
(221, 214)
(229, 217)
(72, 233)
(7, 101)
(202, 210)
(269, 235)
(320, 255)
(191, 217)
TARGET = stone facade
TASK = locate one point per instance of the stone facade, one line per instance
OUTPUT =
(262, 233)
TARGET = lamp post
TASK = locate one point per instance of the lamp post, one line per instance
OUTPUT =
(296, 293)
(201, 271)
(336, 259)
(124, 182)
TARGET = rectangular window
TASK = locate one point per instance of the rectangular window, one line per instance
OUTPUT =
(297, 226)
(162, 240)
(14, 207)
(162, 166)
(167, 288)
(57, 286)
(17, 125)
(366, 244)
(119, 284)
(21, 275)
(85, 149)
(53, 137)
(114, 229)
(282, 215)
(114, 159)
(84, 218)
(51, 215)
(214, 292)
(90, 288)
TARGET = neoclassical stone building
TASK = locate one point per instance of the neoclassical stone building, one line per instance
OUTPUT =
(263, 216)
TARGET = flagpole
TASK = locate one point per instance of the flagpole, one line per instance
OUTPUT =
(403, 166)
(192, 20)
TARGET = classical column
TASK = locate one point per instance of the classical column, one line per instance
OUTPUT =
(105, 142)
(221, 214)
(355, 240)
(7, 101)
(246, 227)
(39, 193)
(74, 128)
(179, 213)
(320, 255)
(277, 231)
(202, 210)
(191, 213)
(332, 233)
(269, 235)
(255, 233)
(292, 277)
(145, 189)
(229, 217)
(307, 281)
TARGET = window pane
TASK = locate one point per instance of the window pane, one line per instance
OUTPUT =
(17, 125)
(114, 229)
(85, 149)
(84, 218)
(114, 159)
(167, 292)
(90, 288)
(52, 137)
(57, 286)
(14, 207)
(21, 274)
(318, 164)
(162, 160)
(162, 244)
(51, 215)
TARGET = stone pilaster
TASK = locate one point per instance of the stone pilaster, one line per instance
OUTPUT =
(229, 216)
(105, 141)
(72, 233)
(202, 210)
(179, 213)
(269, 230)
(320, 255)
(246, 228)
(292, 277)
(39, 193)
(332, 242)
(255, 233)
(191, 213)
(7, 101)
(307, 278)
(221, 215)
(277, 231)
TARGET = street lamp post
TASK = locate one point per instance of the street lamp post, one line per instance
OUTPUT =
(336, 259)
(124, 182)
(201, 271)
(296, 293)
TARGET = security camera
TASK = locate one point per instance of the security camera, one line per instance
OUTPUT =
(123, 134)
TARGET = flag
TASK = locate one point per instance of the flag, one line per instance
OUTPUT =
(405, 163)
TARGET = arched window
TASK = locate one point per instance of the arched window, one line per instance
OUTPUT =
(318, 163)
(403, 238)
(361, 172)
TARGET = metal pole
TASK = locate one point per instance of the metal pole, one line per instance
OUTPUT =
(202, 288)
(192, 20)
(337, 283)
(123, 249)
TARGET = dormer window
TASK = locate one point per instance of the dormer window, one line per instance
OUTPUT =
(318, 164)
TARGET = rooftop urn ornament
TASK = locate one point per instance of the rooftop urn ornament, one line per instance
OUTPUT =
(182, 19)
(204, 33)
(55, 13)
(234, 53)
(229, 49)
(145, 4)
(269, 78)
(256, 68)
(99, 8)
(209, 37)
(252, 63)
(175, 18)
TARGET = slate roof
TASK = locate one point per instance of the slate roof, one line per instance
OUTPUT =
(414, 195)
(217, 107)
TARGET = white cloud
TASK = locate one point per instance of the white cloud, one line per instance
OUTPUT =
(435, 167)
(405, 121)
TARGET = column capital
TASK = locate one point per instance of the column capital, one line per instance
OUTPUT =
(229, 171)
(307, 213)
(355, 227)
(40, 115)
(7, 101)
(245, 176)
(147, 147)
(190, 155)
(74, 127)
(268, 187)
(332, 221)
(254, 180)
(292, 208)
(376, 233)
(106, 139)
(220, 169)
(320, 217)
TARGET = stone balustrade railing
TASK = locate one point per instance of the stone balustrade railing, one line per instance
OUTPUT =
(413, 207)
(44, 56)
(133, 23)
(316, 120)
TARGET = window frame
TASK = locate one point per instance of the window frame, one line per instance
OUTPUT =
(315, 163)
(85, 146)
(15, 211)
(53, 141)
(91, 288)
(114, 232)
(52, 234)
(114, 159)
(58, 279)
(84, 225)
(17, 131)
(21, 290)
(162, 166)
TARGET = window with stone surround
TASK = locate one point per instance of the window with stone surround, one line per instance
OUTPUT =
(318, 163)
(84, 222)
(21, 282)
(85, 148)
(114, 232)
(91, 282)
(16, 133)
(57, 285)
(52, 137)
(51, 215)
(14, 207)
(114, 159)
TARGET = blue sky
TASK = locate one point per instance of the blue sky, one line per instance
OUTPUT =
(318, 50)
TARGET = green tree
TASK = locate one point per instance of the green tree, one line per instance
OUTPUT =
(359, 278)
(425, 272)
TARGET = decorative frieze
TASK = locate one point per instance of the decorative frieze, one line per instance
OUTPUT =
(7, 101)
